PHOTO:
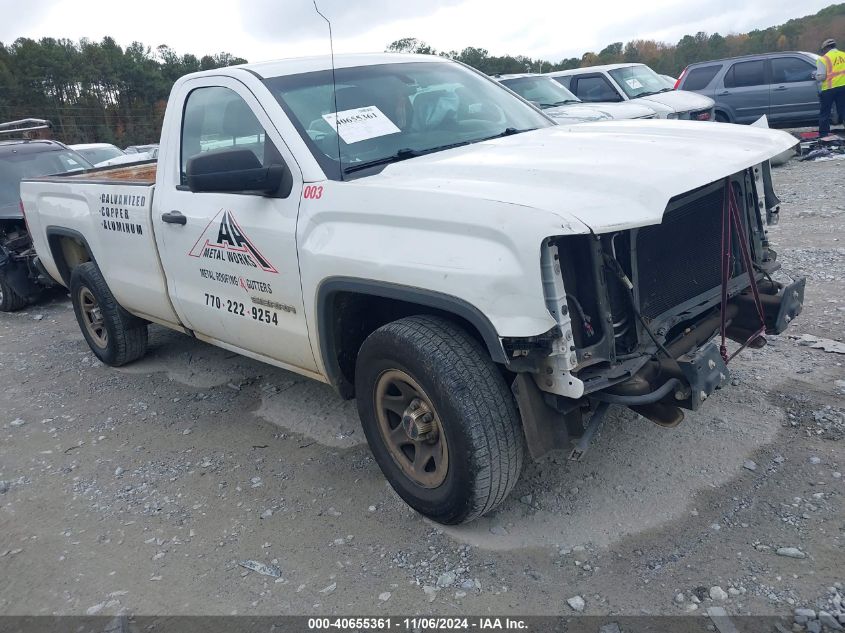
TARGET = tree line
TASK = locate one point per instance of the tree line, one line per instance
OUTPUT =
(102, 92)
(94, 91)
(804, 34)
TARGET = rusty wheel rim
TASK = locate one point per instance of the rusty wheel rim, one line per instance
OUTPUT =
(411, 429)
(92, 318)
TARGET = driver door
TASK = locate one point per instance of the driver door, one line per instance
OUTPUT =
(230, 258)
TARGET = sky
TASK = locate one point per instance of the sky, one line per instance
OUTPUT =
(271, 29)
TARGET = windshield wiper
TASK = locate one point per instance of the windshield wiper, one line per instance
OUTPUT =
(508, 131)
(567, 101)
(403, 154)
(654, 92)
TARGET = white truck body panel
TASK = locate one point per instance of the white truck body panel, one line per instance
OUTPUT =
(466, 222)
(116, 223)
(608, 176)
(198, 265)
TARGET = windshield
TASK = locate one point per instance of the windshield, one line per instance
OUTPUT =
(14, 166)
(544, 91)
(639, 81)
(99, 154)
(389, 112)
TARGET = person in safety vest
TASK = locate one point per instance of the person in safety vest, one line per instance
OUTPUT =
(830, 73)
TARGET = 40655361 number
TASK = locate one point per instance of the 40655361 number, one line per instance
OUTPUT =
(262, 315)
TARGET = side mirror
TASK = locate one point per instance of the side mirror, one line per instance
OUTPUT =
(234, 170)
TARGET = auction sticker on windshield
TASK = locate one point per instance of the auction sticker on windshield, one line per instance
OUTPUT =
(361, 124)
(634, 84)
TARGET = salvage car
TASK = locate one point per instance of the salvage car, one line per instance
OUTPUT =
(563, 106)
(135, 157)
(97, 153)
(21, 276)
(407, 230)
(635, 83)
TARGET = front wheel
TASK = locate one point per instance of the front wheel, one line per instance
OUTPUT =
(439, 418)
(115, 336)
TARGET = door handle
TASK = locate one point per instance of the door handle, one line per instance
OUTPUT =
(174, 217)
(780, 88)
(724, 92)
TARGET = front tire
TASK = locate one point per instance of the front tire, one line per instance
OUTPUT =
(115, 336)
(439, 418)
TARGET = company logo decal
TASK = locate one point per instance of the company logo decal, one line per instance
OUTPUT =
(226, 241)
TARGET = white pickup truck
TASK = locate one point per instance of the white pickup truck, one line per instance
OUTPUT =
(421, 238)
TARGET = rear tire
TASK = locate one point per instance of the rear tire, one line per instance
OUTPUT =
(10, 301)
(115, 336)
(473, 443)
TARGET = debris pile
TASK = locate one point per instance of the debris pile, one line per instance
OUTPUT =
(815, 148)
(830, 615)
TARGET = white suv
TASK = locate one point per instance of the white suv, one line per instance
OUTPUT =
(636, 83)
(563, 106)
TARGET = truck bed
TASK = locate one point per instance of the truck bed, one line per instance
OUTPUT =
(135, 174)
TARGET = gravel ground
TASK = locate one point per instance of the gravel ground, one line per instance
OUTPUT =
(143, 490)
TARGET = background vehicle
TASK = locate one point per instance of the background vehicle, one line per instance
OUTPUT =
(135, 149)
(136, 157)
(669, 81)
(96, 153)
(635, 83)
(563, 106)
(780, 85)
(21, 276)
(479, 278)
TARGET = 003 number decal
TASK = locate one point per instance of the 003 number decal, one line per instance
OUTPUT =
(313, 192)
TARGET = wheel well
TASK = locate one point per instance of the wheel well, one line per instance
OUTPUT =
(68, 252)
(347, 318)
(724, 114)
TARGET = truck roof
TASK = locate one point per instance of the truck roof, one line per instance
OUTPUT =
(296, 65)
(591, 69)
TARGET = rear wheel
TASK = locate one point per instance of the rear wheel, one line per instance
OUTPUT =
(115, 336)
(9, 299)
(439, 418)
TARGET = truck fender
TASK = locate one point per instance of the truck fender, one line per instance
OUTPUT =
(58, 255)
(427, 299)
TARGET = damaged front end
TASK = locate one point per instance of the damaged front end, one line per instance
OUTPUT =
(637, 310)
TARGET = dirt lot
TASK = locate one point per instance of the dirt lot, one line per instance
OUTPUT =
(139, 490)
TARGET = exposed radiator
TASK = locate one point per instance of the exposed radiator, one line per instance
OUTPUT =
(679, 259)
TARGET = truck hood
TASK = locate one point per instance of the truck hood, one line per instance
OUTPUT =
(677, 100)
(608, 175)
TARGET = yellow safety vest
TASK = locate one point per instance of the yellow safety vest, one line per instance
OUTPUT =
(834, 62)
